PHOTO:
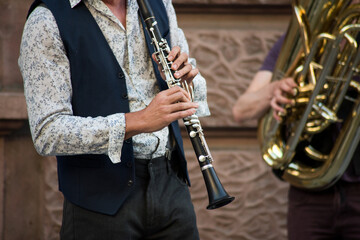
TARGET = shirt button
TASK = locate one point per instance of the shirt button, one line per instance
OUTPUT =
(130, 183)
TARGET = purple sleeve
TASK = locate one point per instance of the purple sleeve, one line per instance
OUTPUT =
(270, 60)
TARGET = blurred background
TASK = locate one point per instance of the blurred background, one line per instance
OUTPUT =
(229, 39)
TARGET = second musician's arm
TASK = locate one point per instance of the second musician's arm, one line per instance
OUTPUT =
(255, 101)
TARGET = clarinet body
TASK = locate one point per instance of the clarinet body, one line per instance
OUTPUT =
(218, 197)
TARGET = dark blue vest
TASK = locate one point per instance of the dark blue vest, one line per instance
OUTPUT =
(99, 89)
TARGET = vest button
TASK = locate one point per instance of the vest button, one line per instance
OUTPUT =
(125, 96)
(128, 141)
(129, 164)
(120, 75)
(130, 183)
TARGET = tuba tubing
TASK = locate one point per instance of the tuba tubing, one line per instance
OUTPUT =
(218, 197)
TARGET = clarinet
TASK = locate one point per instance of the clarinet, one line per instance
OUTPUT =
(218, 197)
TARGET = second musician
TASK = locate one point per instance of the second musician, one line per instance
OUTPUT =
(331, 214)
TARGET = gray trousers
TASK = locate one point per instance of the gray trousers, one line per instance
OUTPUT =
(160, 207)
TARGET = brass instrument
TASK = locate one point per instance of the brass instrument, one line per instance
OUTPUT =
(218, 197)
(312, 146)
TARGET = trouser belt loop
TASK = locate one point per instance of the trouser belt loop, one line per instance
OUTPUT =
(169, 150)
(169, 146)
(168, 153)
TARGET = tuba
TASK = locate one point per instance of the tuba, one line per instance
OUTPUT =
(313, 144)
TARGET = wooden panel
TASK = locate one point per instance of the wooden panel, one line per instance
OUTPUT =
(2, 192)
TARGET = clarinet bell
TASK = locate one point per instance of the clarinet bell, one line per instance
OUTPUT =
(218, 197)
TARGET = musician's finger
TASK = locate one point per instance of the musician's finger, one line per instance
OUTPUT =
(177, 94)
(175, 51)
(284, 100)
(154, 57)
(182, 106)
(180, 61)
(183, 113)
(276, 105)
(190, 75)
(276, 109)
(183, 71)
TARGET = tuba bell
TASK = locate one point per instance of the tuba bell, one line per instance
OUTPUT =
(313, 144)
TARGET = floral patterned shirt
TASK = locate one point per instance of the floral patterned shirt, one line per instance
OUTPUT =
(46, 72)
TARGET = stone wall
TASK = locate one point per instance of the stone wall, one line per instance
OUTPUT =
(229, 39)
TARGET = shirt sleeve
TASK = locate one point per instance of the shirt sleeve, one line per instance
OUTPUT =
(270, 60)
(47, 87)
(177, 37)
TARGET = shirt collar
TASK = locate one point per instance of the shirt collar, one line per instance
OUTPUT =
(73, 3)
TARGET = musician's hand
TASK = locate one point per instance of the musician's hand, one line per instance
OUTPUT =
(183, 68)
(282, 92)
(168, 105)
